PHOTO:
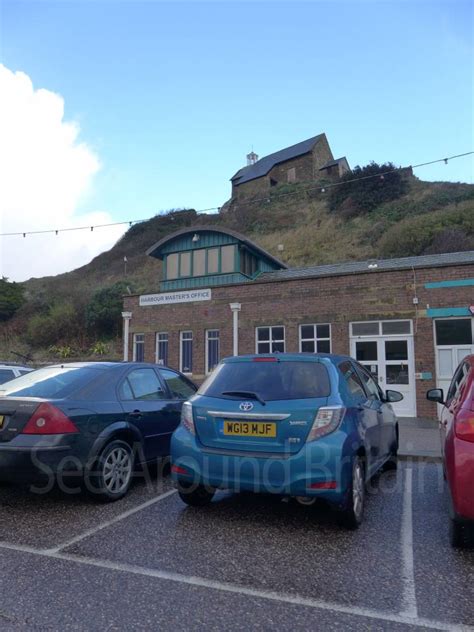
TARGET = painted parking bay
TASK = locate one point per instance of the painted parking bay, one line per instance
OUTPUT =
(261, 542)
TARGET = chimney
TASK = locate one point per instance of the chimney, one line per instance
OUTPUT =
(251, 158)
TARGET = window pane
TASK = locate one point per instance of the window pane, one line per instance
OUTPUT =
(366, 351)
(307, 346)
(199, 262)
(263, 333)
(323, 331)
(145, 384)
(396, 374)
(227, 259)
(138, 347)
(353, 381)
(365, 329)
(162, 348)
(263, 347)
(307, 331)
(212, 349)
(178, 386)
(278, 333)
(396, 327)
(126, 390)
(271, 380)
(5, 375)
(185, 264)
(213, 261)
(369, 383)
(456, 331)
(396, 350)
(187, 351)
(445, 362)
(324, 346)
(172, 266)
(278, 347)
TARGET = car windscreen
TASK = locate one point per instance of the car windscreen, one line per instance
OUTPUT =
(268, 380)
(50, 382)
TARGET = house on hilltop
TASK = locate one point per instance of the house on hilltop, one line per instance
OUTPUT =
(310, 160)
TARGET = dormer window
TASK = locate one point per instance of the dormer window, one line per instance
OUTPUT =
(201, 262)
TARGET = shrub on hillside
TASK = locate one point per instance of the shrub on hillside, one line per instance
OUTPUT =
(61, 323)
(11, 298)
(359, 192)
(415, 236)
(104, 311)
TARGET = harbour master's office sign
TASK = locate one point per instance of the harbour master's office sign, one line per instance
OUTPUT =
(175, 297)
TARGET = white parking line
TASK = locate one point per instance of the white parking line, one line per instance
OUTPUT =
(109, 523)
(409, 604)
(202, 582)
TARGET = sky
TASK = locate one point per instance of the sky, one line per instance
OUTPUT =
(112, 111)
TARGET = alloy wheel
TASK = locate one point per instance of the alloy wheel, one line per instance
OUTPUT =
(117, 470)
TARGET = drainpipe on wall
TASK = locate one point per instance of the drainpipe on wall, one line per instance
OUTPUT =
(235, 307)
(126, 328)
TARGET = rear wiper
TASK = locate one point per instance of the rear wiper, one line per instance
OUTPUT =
(249, 394)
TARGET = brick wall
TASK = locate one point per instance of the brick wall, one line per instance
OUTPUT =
(336, 300)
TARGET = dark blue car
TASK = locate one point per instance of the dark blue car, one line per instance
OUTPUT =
(300, 425)
(93, 421)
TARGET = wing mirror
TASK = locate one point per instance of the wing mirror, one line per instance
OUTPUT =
(393, 396)
(435, 395)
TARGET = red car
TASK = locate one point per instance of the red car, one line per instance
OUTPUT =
(457, 441)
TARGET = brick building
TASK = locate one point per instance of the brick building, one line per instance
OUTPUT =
(307, 161)
(409, 320)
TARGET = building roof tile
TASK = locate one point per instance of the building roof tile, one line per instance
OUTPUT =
(265, 164)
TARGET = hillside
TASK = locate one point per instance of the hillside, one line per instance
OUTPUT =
(430, 217)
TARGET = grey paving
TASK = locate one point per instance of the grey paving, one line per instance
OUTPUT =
(419, 438)
(247, 542)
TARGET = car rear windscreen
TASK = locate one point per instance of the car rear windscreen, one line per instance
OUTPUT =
(50, 382)
(269, 380)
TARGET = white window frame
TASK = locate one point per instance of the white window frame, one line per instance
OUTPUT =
(270, 327)
(208, 339)
(157, 343)
(315, 338)
(135, 341)
(181, 340)
(380, 334)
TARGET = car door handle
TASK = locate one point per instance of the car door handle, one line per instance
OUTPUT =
(135, 413)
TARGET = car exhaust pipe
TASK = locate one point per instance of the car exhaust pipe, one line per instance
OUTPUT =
(305, 500)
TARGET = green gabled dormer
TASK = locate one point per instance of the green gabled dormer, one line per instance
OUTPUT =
(210, 255)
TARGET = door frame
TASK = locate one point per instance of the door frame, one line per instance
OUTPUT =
(382, 338)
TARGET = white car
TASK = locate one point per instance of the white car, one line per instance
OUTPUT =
(10, 371)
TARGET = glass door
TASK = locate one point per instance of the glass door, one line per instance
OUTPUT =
(390, 360)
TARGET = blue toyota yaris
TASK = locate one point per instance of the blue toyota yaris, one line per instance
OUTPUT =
(300, 425)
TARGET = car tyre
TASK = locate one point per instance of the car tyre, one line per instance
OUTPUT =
(460, 535)
(392, 461)
(353, 514)
(112, 472)
(195, 495)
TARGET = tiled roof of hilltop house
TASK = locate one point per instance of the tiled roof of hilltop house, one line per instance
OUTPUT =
(372, 265)
(333, 163)
(265, 164)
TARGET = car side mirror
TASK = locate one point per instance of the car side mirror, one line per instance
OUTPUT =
(393, 396)
(435, 395)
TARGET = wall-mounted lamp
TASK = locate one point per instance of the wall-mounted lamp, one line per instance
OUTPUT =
(196, 237)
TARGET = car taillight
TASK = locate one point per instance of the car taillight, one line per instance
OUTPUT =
(272, 359)
(327, 420)
(187, 417)
(464, 425)
(47, 419)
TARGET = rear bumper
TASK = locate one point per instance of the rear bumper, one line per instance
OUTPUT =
(320, 463)
(28, 458)
(460, 474)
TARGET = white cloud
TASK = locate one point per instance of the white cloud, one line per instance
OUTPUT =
(45, 172)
